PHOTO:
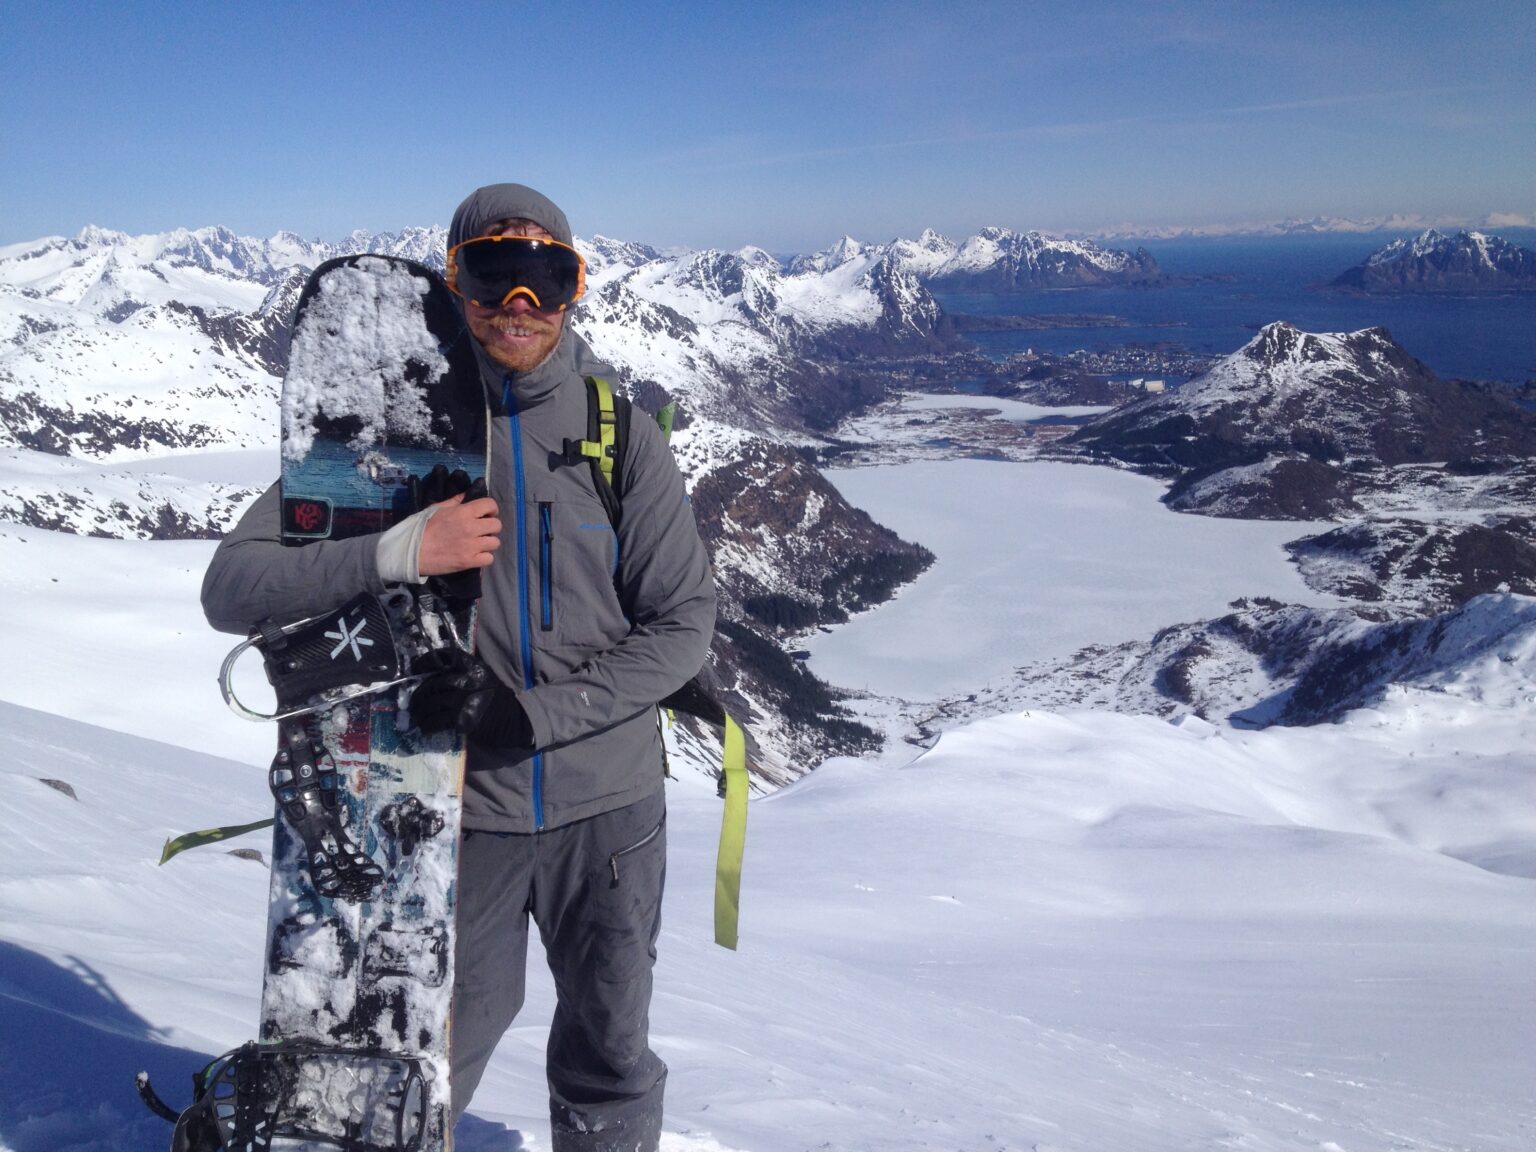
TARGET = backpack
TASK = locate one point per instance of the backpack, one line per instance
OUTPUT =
(608, 430)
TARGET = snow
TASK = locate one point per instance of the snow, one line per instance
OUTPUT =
(1074, 931)
(1008, 409)
(1071, 931)
(378, 308)
(1054, 931)
(1051, 557)
(134, 499)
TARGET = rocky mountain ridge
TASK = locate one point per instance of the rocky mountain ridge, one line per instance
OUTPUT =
(995, 260)
(1266, 663)
(1314, 414)
(116, 349)
(1436, 262)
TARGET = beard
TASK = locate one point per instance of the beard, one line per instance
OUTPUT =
(518, 343)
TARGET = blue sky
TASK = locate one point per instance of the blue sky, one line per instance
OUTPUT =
(784, 124)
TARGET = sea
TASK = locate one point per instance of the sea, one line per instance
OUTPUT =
(1224, 290)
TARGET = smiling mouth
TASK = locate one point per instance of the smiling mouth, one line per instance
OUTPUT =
(516, 331)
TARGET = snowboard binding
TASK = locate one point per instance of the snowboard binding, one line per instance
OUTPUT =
(356, 1101)
(307, 794)
(321, 661)
(368, 645)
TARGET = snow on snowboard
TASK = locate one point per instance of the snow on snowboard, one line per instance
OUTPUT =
(383, 411)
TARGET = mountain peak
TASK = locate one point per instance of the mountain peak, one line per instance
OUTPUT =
(1468, 261)
(92, 236)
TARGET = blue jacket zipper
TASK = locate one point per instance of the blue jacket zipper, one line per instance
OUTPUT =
(546, 568)
(525, 642)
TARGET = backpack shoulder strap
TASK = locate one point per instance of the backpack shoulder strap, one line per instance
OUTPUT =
(607, 439)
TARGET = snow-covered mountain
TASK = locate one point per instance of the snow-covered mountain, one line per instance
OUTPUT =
(994, 260)
(739, 339)
(1436, 262)
(1266, 663)
(1293, 422)
(1437, 479)
(114, 345)
(116, 349)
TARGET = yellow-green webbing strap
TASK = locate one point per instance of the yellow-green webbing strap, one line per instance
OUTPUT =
(666, 417)
(733, 836)
(179, 844)
(607, 428)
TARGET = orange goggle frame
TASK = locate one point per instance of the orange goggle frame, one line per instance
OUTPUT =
(491, 271)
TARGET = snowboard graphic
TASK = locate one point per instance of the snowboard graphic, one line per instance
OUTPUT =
(381, 389)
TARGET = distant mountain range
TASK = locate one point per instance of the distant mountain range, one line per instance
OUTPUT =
(116, 350)
(1303, 226)
(1436, 262)
(995, 260)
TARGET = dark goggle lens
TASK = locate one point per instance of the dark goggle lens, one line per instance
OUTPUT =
(489, 270)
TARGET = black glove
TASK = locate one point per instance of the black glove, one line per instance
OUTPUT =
(433, 488)
(438, 485)
(471, 699)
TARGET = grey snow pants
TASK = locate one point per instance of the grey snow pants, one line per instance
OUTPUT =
(594, 889)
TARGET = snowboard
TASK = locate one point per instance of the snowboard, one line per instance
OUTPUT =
(353, 1048)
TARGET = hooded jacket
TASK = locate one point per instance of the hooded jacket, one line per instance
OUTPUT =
(588, 625)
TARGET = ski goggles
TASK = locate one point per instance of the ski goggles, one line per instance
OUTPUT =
(492, 270)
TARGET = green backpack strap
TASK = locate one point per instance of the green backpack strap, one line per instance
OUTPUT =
(733, 835)
(604, 448)
(602, 428)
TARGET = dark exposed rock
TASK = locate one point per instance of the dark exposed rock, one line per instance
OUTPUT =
(771, 516)
(1435, 262)
(1319, 412)
(1422, 566)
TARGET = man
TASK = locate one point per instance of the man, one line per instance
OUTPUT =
(581, 630)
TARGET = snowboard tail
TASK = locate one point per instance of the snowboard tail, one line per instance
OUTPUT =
(258, 1097)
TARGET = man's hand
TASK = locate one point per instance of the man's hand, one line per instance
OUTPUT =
(469, 698)
(462, 534)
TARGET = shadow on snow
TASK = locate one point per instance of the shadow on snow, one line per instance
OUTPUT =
(69, 1051)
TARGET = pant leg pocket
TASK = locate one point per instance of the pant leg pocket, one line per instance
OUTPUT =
(626, 881)
(631, 855)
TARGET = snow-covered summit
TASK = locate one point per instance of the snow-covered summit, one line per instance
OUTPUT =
(993, 260)
(1467, 261)
(1000, 259)
(1311, 414)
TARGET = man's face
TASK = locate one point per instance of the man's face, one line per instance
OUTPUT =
(519, 337)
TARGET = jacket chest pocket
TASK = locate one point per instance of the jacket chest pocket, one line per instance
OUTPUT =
(576, 562)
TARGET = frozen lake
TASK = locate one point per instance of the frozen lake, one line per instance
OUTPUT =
(1037, 560)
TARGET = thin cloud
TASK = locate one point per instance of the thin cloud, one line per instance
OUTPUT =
(1075, 128)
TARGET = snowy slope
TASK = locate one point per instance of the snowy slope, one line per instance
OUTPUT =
(1068, 932)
